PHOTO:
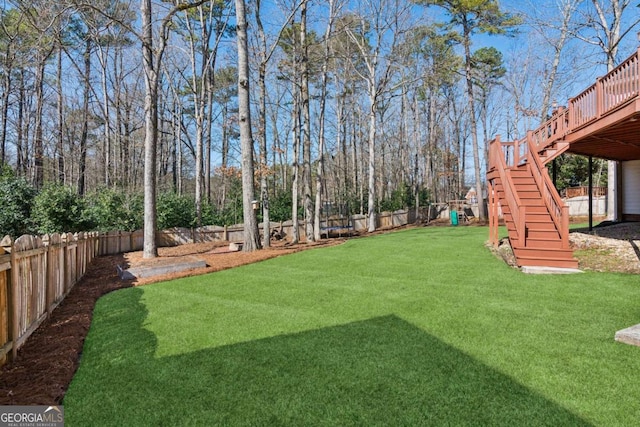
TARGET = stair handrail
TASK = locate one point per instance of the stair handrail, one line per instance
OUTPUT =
(552, 130)
(558, 210)
(517, 209)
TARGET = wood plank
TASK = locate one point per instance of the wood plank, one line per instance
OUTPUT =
(5, 266)
(5, 323)
(30, 253)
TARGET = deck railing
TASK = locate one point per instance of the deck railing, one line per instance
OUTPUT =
(500, 154)
(615, 89)
(551, 130)
(609, 92)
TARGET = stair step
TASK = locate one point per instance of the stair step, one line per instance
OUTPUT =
(527, 187)
(534, 243)
(547, 262)
(544, 258)
(521, 172)
(543, 225)
(533, 233)
(537, 209)
(553, 253)
(539, 217)
(523, 180)
(533, 203)
(524, 194)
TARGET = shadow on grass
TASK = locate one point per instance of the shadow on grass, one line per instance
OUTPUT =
(382, 371)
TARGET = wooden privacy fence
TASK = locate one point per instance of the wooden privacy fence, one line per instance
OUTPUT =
(116, 242)
(36, 273)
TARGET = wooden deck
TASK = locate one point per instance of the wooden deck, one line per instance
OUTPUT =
(603, 121)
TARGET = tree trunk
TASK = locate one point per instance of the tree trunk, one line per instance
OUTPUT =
(21, 163)
(568, 7)
(107, 125)
(6, 90)
(251, 235)
(225, 152)
(84, 134)
(295, 235)
(321, 132)
(38, 143)
(60, 136)
(209, 123)
(306, 131)
(371, 204)
(472, 118)
(150, 249)
(262, 126)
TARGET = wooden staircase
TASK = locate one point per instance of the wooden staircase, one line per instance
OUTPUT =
(602, 121)
(535, 216)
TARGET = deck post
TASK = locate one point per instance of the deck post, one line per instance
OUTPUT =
(599, 97)
(492, 216)
(590, 193)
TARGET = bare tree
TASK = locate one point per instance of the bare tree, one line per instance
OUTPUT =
(377, 32)
(203, 26)
(474, 16)
(152, 65)
(251, 235)
(556, 33)
(323, 100)
(265, 53)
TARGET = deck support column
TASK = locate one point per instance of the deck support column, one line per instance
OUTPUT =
(590, 193)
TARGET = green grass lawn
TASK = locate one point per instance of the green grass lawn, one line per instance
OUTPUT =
(419, 327)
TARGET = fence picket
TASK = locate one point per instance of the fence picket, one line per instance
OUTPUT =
(5, 341)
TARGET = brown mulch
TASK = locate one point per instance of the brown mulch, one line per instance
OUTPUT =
(46, 363)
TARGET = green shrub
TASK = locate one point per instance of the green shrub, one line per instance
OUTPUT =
(58, 208)
(280, 207)
(111, 209)
(403, 198)
(175, 210)
(16, 199)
